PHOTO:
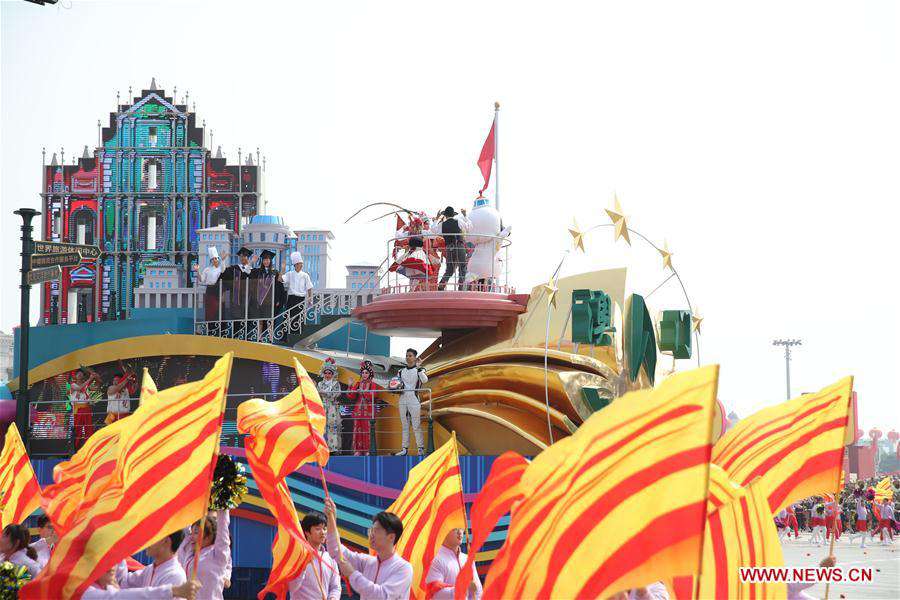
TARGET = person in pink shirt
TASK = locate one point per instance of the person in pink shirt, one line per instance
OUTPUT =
(213, 566)
(445, 567)
(382, 576)
(164, 578)
(307, 586)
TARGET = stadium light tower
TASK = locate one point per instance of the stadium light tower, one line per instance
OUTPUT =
(787, 358)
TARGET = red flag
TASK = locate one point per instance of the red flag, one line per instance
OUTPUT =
(486, 159)
(400, 223)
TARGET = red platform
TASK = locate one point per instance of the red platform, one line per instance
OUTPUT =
(425, 314)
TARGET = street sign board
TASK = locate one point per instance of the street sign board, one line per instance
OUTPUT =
(88, 252)
(44, 275)
(67, 259)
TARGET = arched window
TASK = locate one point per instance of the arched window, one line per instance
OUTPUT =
(152, 175)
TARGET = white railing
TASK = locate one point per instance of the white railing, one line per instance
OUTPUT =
(489, 254)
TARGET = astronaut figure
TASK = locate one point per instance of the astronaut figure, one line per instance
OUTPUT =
(485, 265)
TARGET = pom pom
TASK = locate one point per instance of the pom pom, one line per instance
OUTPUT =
(12, 578)
(229, 484)
(870, 494)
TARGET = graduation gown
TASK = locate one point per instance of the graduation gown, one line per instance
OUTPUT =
(265, 288)
(235, 288)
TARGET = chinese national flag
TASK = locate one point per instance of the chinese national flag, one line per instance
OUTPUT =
(486, 158)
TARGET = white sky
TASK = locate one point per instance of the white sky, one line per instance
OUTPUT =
(760, 139)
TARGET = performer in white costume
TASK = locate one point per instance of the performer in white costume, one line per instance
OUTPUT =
(485, 265)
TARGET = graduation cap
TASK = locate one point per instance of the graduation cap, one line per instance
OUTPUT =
(244, 252)
(266, 254)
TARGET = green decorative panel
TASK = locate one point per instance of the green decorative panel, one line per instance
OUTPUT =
(593, 397)
(675, 333)
(640, 339)
(591, 317)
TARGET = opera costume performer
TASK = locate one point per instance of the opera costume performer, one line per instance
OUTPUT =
(214, 558)
(441, 576)
(236, 287)
(321, 570)
(79, 397)
(382, 575)
(330, 392)
(363, 393)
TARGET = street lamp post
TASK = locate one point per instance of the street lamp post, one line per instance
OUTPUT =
(22, 396)
(787, 343)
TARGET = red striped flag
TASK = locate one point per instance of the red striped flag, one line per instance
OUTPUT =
(797, 446)
(167, 454)
(497, 496)
(486, 158)
(76, 482)
(430, 505)
(600, 506)
(20, 493)
(283, 435)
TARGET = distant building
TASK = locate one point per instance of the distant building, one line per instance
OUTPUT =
(6, 356)
(361, 277)
(314, 245)
(268, 232)
(140, 196)
(164, 287)
(221, 238)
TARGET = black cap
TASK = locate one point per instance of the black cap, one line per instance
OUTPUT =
(266, 254)
(449, 212)
(245, 252)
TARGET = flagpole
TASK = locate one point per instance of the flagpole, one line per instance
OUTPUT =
(215, 458)
(496, 157)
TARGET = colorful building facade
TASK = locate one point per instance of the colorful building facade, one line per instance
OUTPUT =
(150, 185)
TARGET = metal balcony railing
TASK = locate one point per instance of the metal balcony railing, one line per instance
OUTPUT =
(53, 425)
(425, 262)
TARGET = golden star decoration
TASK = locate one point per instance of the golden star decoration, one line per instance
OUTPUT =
(550, 290)
(577, 236)
(617, 216)
(695, 322)
(666, 257)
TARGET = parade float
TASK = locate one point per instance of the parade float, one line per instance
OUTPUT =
(509, 368)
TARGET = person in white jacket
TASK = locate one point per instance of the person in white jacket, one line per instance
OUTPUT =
(107, 588)
(15, 549)
(163, 579)
(320, 577)
(412, 376)
(382, 576)
(44, 546)
(215, 552)
(446, 566)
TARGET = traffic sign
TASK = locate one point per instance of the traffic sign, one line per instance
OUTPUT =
(44, 275)
(68, 259)
(59, 248)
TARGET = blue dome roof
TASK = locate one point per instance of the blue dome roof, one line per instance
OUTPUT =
(267, 219)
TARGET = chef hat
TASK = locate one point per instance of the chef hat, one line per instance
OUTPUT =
(213, 252)
(296, 258)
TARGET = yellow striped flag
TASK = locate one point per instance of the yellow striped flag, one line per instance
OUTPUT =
(78, 481)
(161, 482)
(797, 446)
(497, 497)
(741, 534)
(619, 504)
(283, 435)
(429, 506)
(884, 490)
(20, 493)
